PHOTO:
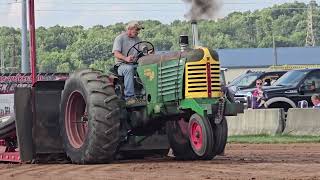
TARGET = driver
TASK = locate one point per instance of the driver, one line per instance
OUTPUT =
(121, 46)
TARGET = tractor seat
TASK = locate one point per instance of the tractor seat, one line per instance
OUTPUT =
(114, 71)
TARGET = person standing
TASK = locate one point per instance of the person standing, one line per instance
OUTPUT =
(258, 97)
(316, 101)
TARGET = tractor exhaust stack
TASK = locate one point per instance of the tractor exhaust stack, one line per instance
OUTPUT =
(195, 33)
(184, 42)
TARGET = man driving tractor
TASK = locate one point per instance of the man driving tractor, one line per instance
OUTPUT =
(125, 64)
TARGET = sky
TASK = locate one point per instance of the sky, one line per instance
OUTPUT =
(105, 12)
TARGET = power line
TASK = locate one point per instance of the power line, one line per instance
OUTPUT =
(150, 3)
(134, 3)
(141, 3)
(106, 11)
(101, 10)
(138, 10)
(8, 3)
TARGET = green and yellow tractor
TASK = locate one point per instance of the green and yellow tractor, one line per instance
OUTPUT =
(86, 119)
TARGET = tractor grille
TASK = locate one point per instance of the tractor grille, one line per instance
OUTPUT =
(202, 80)
(170, 80)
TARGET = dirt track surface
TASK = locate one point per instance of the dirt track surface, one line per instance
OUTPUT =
(241, 161)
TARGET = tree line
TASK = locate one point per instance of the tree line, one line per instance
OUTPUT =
(64, 49)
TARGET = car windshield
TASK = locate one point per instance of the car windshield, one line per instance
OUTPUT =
(245, 80)
(291, 78)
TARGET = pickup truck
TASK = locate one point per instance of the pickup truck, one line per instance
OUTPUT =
(287, 91)
(248, 80)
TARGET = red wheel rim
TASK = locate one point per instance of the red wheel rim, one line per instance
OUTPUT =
(196, 135)
(76, 120)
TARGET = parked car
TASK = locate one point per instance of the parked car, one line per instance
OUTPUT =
(287, 91)
(248, 80)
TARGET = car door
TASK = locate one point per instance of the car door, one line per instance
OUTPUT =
(310, 86)
(270, 78)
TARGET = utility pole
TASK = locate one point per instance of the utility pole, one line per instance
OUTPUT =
(275, 54)
(2, 59)
(310, 39)
(14, 54)
(25, 63)
(32, 42)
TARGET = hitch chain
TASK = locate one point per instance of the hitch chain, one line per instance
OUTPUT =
(219, 116)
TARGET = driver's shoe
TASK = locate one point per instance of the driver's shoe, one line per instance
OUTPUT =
(133, 102)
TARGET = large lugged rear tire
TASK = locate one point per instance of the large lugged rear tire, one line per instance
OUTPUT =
(220, 136)
(89, 118)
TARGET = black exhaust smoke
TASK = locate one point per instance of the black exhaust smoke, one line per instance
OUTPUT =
(202, 9)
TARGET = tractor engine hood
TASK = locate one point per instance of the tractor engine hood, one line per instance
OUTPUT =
(191, 55)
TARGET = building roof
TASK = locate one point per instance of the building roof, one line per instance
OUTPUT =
(262, 57)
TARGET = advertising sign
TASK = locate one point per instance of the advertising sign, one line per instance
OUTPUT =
(8, 83)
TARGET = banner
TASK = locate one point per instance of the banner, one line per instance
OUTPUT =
(9, 81)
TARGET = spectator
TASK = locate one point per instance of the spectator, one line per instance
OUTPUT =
(267, 82)
(316, 100)
(258, 98)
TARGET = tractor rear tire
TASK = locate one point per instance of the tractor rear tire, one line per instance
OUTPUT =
(220, 136)
(177, 132)
(7, 126)
(89, 118)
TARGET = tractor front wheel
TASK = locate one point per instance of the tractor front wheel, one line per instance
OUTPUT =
(191, 140)
(201, 137)
(89, 118)
(177, 132)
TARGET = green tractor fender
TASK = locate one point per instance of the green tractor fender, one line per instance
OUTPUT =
(201, 109)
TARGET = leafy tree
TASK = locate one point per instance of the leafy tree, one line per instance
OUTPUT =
(64, 49)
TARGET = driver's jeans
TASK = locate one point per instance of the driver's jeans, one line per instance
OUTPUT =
(128, 71)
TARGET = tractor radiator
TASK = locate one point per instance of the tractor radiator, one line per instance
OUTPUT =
(202, 78)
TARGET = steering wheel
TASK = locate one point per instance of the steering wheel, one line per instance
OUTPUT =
(145, 50)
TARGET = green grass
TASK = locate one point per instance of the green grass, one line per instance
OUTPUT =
(278, 139)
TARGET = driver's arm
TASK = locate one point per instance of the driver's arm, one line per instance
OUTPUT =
(119, 55)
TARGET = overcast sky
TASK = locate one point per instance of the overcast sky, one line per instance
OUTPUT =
(106, 12)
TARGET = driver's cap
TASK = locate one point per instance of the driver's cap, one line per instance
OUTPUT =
(134, 24)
